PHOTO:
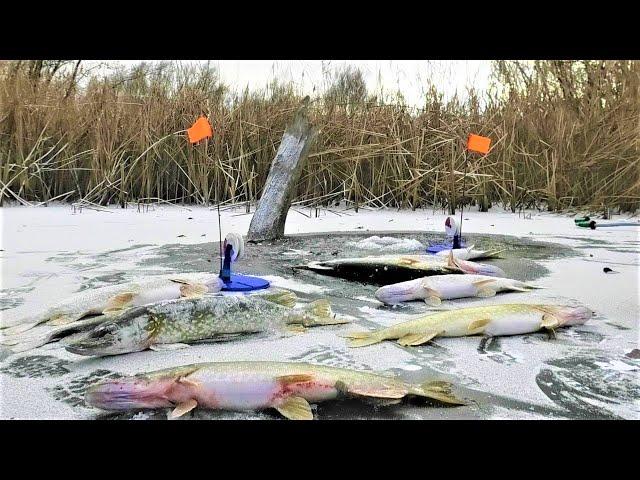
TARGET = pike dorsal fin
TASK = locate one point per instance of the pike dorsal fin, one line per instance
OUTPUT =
(119, 301)
(376, 391)
(481, 283)
(193, 290)
(407, 261)
(294, 378)
(190, 382)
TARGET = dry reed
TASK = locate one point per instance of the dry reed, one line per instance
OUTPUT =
(565, 135)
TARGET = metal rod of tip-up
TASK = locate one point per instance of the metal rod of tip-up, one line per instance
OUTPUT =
(201, 130)
(478, 144)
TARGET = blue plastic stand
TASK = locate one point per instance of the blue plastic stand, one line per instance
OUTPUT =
(244, 283)
(238, 283)
(438, 247)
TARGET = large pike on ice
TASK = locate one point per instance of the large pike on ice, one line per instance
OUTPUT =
(490, 320)
(114, 298)
(173, 324)
(247, 386)
(386, 269)
(445, 287)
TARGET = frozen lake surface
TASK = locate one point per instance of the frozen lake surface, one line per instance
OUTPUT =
(589, 371)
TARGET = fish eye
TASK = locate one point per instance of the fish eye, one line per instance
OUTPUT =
(104, 330)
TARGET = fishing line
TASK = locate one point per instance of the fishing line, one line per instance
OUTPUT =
(219, 230)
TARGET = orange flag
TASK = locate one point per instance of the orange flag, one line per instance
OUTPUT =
(476, 143)
(200, 130)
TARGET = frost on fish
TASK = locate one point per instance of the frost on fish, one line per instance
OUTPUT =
(241, 386)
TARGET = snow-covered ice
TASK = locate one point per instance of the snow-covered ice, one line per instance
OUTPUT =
(47, 253)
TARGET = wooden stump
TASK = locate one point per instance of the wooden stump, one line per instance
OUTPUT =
(271, 213)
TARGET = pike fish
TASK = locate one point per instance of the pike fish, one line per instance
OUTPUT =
(489, 320)
(386, 269)
(175, 323)
(249, 386)
(114, 298)
(73, 331)
(445, 287)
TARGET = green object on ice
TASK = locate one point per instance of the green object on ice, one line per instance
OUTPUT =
(585, 223)
(581, 219)
(593, 225)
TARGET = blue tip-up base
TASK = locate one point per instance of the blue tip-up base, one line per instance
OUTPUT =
(438, 247)
(244, 283)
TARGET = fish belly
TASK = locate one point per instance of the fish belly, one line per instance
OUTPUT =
(255, 392)
(240, 394)
(456, 290)
(514, 324)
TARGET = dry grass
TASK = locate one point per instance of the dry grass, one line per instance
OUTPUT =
(565, 134)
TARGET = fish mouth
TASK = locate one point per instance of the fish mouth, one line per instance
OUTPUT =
(573, 315)
(578, 315)
(392, 294)
(89, 346)
(77, 349)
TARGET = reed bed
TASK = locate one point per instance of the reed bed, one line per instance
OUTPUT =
(565, 135)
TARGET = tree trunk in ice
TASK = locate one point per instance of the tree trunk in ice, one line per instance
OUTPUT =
(271, 213)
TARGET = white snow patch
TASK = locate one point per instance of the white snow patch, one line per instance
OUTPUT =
(616, 365)
(388, 244)
(294, 252)
(383, 317)
(369, 299)
(411, 367)
(295, 285)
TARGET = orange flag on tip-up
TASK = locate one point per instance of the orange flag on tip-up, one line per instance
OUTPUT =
(200, 130)
(476, 143)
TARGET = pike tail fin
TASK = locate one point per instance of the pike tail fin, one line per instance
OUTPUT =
(193, 290)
